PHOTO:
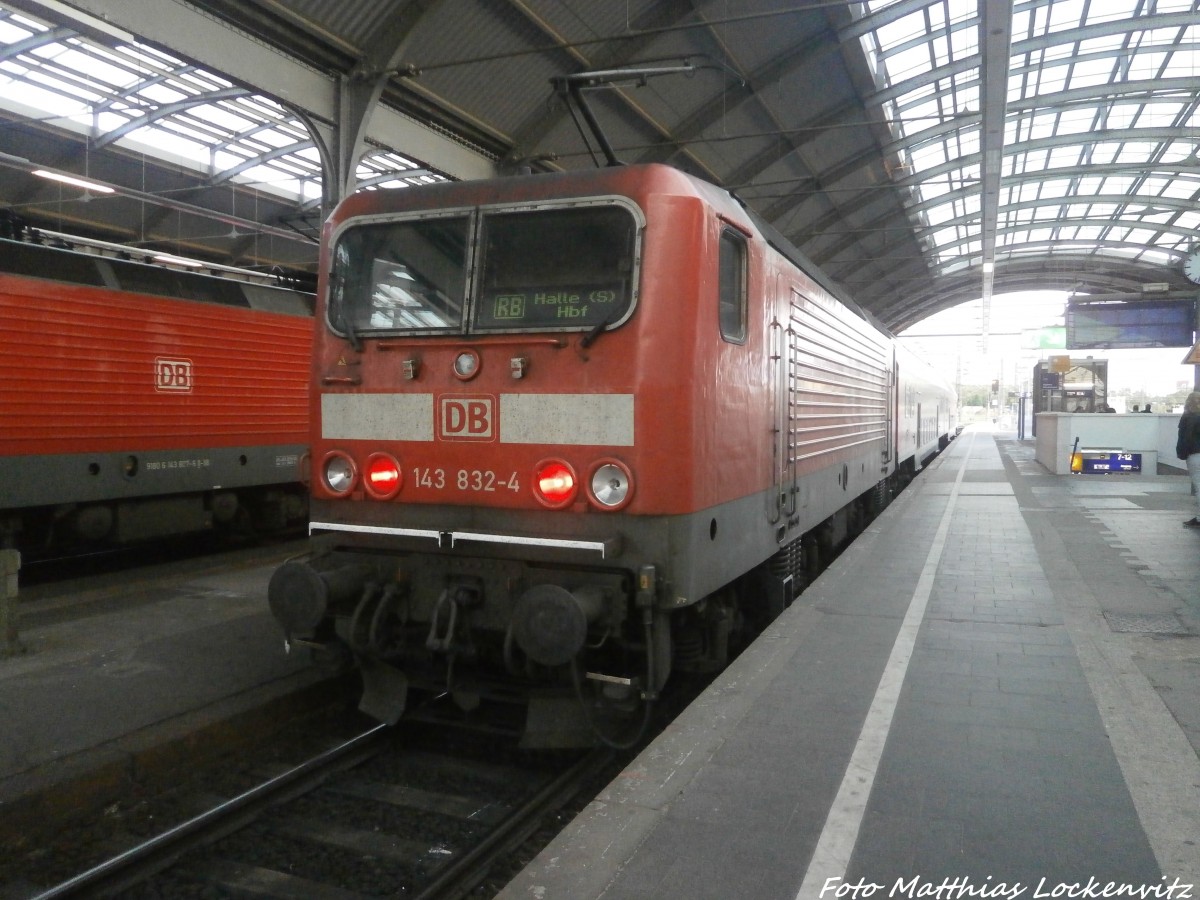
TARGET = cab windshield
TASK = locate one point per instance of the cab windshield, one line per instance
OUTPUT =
(544, 269)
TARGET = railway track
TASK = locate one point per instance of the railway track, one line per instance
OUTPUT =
(368, 818)
(50, 572)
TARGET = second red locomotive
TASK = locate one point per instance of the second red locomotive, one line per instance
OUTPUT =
(143, 400)
(574, 432)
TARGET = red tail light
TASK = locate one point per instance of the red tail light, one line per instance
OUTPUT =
(381, 476)
(554, 483)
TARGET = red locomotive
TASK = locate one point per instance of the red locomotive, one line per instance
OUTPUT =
(144, 400)
(574, 432)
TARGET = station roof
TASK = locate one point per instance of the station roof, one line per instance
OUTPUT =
(922, 152)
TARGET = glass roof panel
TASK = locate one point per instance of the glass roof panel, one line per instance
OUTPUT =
(161, 94)
(1100, 45)
(1182, 189)
(1049, 81)
(1183, 64)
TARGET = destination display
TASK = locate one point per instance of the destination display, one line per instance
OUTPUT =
(574, 306)
(1140, 324)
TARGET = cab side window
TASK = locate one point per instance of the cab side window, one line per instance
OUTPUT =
(732, 286)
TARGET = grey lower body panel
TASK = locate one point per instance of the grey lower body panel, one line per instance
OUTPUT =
(45, 480)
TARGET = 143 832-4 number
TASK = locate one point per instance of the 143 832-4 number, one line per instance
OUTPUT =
(482, 480)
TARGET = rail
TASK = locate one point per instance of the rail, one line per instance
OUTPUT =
(140, 862)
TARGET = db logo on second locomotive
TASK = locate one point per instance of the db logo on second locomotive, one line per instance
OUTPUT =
(172, 374)
(467, 418)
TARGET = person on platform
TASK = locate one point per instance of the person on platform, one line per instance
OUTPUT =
(1187, 448)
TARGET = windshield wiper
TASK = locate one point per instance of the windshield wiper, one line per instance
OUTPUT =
(337, 291)
(590, 337)
(351, 334)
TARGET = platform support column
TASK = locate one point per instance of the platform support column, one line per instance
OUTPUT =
(10, 565)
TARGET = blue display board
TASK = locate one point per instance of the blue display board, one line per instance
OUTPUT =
(1144, 323)
(1105, 462)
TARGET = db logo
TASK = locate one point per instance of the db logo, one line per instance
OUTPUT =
(467, 418)
(172, 374)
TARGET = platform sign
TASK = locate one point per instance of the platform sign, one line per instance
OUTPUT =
(1138, 324)
(1107, 462)
(1052, 337)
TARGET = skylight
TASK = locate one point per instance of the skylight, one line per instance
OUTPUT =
(1097, 95)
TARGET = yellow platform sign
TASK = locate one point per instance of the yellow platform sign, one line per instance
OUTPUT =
(1060, 364)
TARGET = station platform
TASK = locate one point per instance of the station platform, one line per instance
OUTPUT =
(135, 678)
(994, 692)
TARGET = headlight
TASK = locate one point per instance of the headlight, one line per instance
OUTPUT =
(466, 364)
(339, 472)
(611, 485)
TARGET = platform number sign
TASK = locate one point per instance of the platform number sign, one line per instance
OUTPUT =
(174, 375)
